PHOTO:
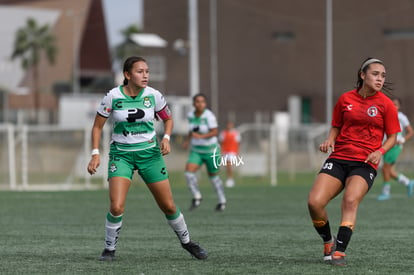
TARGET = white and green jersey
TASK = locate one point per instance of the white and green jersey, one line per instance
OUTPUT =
(404, 123)
(203, 124)
(133, 118)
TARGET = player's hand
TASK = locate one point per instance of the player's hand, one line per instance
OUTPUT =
(400, 140)
(165, 146)
(374, 157)
(196, 135)
(326, 146)
(94, 164)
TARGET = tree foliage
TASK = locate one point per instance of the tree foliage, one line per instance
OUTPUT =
(30, 41)
(127, 47)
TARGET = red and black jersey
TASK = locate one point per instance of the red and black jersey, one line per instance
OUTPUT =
(362, 123)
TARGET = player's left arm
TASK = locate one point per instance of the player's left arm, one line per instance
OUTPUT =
(389, 142)
(165, 142)
(162, 112)
(212, 126)
(375, 157)
(165, 115)
(392, 128)
(212, 133)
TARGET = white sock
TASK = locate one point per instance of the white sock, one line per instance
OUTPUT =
(180, 227)
(218, 186)
(403, 179)
(386, 188)
(113, 225)
(192, 183)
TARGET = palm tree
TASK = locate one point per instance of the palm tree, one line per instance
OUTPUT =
(127, 47)
(29, 42)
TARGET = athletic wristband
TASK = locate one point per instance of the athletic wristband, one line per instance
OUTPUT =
(95, 152)
(381, 150)
(167, 137)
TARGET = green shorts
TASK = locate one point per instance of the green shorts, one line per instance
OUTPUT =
(212, 160)
(392, 155)
(149, 163)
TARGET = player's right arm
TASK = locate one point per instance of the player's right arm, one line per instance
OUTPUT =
(329, 143)
(96, 139)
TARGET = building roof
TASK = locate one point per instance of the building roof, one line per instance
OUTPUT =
(149, 40)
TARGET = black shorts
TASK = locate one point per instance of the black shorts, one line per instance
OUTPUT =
(343, 169)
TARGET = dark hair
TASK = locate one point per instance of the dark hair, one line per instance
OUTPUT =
(199, 95)
(129, 63)
(364, 68)
(397, 99)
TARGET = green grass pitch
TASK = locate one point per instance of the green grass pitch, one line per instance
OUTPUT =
(264, 230)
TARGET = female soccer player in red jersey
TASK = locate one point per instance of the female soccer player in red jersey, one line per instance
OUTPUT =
(360, 119)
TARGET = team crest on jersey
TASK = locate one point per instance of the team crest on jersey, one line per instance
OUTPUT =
(147, 102)
(372, 111)
(113, 167)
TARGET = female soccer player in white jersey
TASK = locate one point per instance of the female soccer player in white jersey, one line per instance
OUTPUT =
(360, 119)
(133, 107)
(391, 157)
(204, 149)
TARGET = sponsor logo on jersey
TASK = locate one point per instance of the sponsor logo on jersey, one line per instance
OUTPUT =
(372, 111)
(133, 133)
(135, 114)
(118, 104)
(147, 102)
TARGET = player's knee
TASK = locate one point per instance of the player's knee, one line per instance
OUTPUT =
(169, 209)
(190, 176)
(117, 209)
(314, 204)
(350, 203)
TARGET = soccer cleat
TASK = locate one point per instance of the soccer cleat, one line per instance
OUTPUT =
(107, 255)
(410, 188)
(328, 248)
(195, 250)
(195, 203)
(220, 207)
(383, 197)
(338, 258)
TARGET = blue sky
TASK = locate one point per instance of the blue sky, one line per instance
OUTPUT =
(120, 14)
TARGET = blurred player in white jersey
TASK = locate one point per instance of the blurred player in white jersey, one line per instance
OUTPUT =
(390, 157)
(205, 149)
(133, 107)
(230, 140)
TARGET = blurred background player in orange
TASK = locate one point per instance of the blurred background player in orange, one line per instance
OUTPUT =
(230, 140)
